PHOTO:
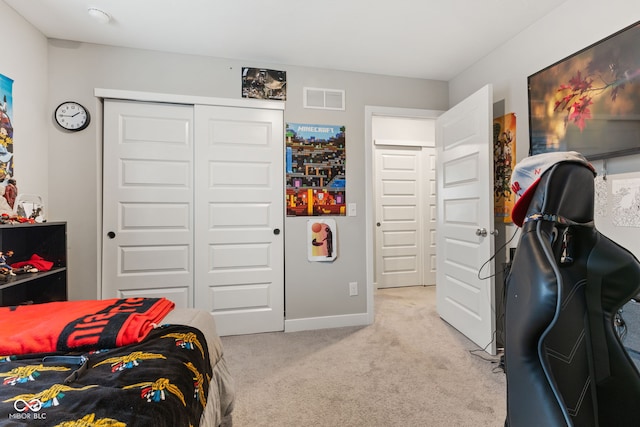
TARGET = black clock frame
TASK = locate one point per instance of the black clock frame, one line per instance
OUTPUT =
(86, 111)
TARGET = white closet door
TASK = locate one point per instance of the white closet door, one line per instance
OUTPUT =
(399, 213)
(239, 212)
(148, 201)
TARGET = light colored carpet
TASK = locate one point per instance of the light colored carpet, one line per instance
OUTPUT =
(631, 338)
(410, 368)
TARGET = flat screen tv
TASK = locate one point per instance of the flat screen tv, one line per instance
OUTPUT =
(590, 101)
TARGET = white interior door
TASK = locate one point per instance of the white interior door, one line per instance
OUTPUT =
(430, 217)
(148, 201)
(465, 218)
(398, 231)
(239, 211)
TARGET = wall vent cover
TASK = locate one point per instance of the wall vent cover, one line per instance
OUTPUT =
(323, 99)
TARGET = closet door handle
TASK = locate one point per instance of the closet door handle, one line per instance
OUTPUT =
(111, 234)
(276, 231)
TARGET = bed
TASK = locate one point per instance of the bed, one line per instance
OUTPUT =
(123, 369)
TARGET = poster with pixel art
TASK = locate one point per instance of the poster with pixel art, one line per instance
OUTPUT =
(315, 162)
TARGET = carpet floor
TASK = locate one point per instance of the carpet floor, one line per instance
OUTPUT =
(631, 336)
(409, 368)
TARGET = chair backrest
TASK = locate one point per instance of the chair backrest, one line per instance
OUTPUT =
(565, 365)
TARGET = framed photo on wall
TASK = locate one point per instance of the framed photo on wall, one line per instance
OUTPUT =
(590, 101)
(261, 83)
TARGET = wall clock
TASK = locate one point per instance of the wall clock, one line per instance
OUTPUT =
(72, 116)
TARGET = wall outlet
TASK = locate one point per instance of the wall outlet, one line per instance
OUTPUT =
(353, 289)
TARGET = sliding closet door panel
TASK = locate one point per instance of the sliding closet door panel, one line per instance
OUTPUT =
(148, 201)
(239, 211)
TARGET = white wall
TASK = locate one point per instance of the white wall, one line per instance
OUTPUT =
(24, 59)
(573, 26)
(408, 130)
(313, 290)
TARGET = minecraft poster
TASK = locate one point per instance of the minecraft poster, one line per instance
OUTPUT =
(6, 128)
(315, 165)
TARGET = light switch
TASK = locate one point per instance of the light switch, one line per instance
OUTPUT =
(351, 209)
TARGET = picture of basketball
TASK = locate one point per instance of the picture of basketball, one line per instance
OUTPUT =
(316, 227)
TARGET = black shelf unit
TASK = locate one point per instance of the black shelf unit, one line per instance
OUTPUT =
(48, 240)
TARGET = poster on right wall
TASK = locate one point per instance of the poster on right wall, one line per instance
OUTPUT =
(617, 202)
(504, 157)
(625, 201)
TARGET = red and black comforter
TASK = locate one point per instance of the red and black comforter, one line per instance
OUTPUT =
(161, 381)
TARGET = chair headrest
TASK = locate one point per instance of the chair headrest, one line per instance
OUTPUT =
(527, 173)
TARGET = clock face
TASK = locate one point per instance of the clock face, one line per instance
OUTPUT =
(72, 116)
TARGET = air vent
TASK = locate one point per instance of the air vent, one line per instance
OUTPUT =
(323, 99)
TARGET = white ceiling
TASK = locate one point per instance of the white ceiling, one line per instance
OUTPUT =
(431, 39)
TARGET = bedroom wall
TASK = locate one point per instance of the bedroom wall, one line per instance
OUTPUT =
(24, 59)
(573, 26)
(312, 289)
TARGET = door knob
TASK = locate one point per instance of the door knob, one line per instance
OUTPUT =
(377, 224)
(276, 231)
(111, 234)
(483, 232)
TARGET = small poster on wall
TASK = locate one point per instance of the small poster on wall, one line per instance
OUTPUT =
(504, 157)
(315, 161)
(625, 200)
(261, 83)
(321, 239)
(6, 129)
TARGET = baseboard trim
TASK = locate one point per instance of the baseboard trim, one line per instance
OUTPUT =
(313, 323)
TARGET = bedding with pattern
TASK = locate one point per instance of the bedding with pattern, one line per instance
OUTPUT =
(174, 376)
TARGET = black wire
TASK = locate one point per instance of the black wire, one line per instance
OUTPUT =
(494, 255)
(479, 351)
(499, 369)
(473, 352)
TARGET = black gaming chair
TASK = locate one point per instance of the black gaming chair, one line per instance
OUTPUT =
(565, 365)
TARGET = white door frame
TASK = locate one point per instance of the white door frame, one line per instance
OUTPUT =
(369, 113)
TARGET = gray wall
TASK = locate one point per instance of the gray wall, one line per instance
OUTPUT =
(545, 42)
(312, 289)
(65, 168)
(24, 59)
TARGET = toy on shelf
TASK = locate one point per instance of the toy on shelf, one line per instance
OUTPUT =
(30, 206)
(5, 268)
